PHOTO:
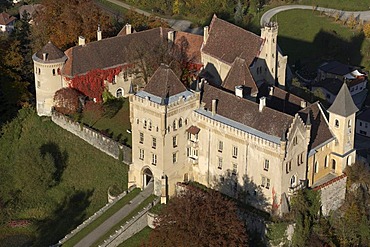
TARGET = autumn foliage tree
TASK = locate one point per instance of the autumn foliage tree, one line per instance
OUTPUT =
(199, 218)
(366, 30)
(66, 100)
(63, 21)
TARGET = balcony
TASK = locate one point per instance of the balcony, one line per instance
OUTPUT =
(294, 189)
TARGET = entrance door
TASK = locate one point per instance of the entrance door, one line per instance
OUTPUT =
(147, 176)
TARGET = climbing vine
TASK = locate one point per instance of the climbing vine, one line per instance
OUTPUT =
(92, 84)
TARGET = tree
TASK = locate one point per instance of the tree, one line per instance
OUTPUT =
(63, 21)
(199, 218)
(66, 101)
(366, 30)
(305, 210)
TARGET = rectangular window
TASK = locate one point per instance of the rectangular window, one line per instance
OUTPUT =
(220, 146)
(263, 181)
(174, 141)
(174, 158)
(141, 138)
(141, 154)
(219, 163)
(267, 183)
(288, 166)
(188, 152)
(154, 142)
(235, 152)
(38, 84)
(235, 169)
(266, 165)
(154, 159)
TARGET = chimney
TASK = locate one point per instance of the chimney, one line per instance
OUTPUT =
(205, 34)
(239, 91)
(128, 28)
(262, 103)
(303, 104)
(214, 106)
(81, 40)
(171, 36)
(44, 56)
(271, 91)
(98, 34)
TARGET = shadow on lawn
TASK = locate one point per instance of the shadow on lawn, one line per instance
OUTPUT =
(65, 218)
(59, 159)
(327, 45)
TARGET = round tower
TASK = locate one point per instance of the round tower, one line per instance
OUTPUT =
(48, 63)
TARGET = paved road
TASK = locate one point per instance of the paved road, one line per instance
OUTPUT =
(361, 15)
(180, 25)
(114, 219)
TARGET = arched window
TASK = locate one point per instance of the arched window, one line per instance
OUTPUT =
(180, 122)
(150, 125)
(293, 181)
(53, 72)
(349, 160)
(186, 121)
(333, 164)
(349, 123)
(326, 161)
(119, 93)
(336, 123)
(316, 167)
(39, 71)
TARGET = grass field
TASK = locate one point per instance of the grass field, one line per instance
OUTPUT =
(112, 210)
(308, 37)
(114, 121)
(51, 178)
(339, 4)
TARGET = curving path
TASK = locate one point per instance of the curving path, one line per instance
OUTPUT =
(361, 15)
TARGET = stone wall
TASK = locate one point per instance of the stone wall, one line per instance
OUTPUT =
(333, 194)
(131, 227)
(93, 137)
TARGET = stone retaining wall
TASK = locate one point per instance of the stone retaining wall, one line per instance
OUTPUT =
(93, 137)
(131, 227)
(333, 194)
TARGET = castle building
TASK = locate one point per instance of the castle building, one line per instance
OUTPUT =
(235, 130)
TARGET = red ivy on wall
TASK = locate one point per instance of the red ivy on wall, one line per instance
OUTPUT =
(92, 84)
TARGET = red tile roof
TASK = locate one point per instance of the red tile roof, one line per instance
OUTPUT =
(227, 42)
(330, 182)
(164, 83)
(6, 19)
(246, 112)
(193, 130)
(238, 75)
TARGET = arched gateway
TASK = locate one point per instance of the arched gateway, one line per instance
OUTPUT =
(147, 176)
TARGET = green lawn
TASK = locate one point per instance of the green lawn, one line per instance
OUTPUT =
(124, 220)
(112, 210)
(307, 37)
(51, 177)
(114, 121)
(339, 4)
(138, 239)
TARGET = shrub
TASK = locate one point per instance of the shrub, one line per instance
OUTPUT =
(66, 101)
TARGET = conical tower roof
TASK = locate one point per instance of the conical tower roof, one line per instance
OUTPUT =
(343, 104)
(53, 52)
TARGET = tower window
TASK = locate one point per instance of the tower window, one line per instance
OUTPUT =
(336, 123)
(53, 72)
(38, 84)
(39, 71)
(119, 93)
